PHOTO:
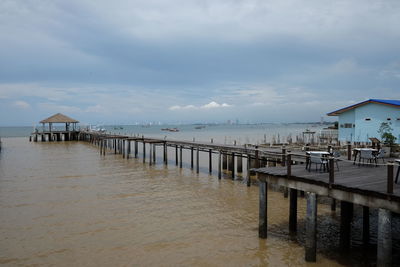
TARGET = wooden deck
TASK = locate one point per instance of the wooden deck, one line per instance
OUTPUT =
(368, 180)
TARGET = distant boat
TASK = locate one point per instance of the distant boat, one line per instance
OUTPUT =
(200, 127)
(170, 129)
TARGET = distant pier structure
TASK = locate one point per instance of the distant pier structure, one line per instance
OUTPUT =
(57, 132)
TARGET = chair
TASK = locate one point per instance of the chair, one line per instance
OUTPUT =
(318, 160)
(336, 156)
(367, 155)
(381, 155)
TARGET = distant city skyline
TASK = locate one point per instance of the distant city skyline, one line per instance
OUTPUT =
(190, 61)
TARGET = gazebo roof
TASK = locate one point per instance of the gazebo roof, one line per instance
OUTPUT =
(59, 118)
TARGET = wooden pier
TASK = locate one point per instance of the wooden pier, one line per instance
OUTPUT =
(368, 186)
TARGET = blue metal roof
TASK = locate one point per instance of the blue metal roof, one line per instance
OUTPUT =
(390, 102)
(378, 101)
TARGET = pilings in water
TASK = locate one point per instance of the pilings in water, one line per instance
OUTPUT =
(230, 159)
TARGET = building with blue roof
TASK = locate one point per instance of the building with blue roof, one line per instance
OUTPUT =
(361, 121)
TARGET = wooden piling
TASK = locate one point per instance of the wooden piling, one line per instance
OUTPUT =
(239, 162)
(346, 215)
(248, 170)
(198, 160)
(181, 157)
(293, 211)
(233, 165)
(384, 242)
(224, 161)
(176, 155)
(210, 161)
(191, 158)
(144, 152)
(220, 165)
(311, 228)
(262, 220)
(365, 225)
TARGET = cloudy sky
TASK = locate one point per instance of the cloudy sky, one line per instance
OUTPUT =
(194, 60)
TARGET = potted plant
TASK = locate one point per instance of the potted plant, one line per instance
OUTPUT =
(388, 139)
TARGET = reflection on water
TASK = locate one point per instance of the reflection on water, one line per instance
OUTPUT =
(63, 204)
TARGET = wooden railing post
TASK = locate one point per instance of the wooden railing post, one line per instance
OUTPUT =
(348, 151)
(289, 165)
(390, 168)
(283, 160)
(331, 171)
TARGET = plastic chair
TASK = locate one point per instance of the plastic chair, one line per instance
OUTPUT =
(336, 156)
(381, 155)
(318, 160)
(368, 156)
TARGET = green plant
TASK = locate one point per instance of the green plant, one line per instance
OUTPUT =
(385, 130)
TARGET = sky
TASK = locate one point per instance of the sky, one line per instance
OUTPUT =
(184, 61)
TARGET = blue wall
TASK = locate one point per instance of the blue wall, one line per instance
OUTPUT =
(377, 113)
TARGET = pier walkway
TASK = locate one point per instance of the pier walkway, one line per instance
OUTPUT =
(347, 183)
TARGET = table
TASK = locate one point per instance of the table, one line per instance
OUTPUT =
(358, 150)
(321, 153)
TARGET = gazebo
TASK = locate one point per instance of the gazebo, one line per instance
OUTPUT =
(68, 133)
(60, 118)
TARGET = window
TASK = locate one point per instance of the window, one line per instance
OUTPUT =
(348, 125)
(367, 119)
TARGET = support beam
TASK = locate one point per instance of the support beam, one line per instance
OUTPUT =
(262, 219)
(293, 211)
(384, 242)
(311, 227)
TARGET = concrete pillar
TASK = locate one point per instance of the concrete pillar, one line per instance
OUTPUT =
(384, 242)
(311, 227)
(262, 219)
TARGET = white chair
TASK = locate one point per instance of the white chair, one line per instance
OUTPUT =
(367, 155)
(381, 155)
(318, 160)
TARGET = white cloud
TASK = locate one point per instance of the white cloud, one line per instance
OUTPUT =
(214, 104)
(21, 104)
(210, 105)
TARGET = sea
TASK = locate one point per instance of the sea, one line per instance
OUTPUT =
(63, 204)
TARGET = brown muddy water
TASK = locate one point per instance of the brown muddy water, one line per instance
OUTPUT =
(62, 204)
